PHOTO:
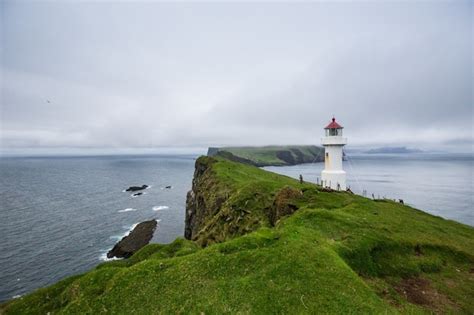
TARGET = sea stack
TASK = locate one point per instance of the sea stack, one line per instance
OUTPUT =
(333, 176)
(138, 237)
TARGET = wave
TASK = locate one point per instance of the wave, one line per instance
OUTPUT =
(143, 193)
(127, 210)
(116, 237)
(130, 229)
(103, 257)
(158, 208)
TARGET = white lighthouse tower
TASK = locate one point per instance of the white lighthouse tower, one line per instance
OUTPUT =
(333, 176)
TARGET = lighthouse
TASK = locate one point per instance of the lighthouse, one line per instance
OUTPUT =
(333, 176)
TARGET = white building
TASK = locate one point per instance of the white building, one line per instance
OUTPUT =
(333, 176)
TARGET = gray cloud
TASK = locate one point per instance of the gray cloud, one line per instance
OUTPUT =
(146, 75)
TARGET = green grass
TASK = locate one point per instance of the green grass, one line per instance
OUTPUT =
(338, 253)
(272, 155)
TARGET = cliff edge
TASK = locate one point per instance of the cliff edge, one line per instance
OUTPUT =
(230, 199)
(262, 243)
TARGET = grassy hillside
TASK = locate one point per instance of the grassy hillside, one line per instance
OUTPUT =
(271, 155)
(337, 253)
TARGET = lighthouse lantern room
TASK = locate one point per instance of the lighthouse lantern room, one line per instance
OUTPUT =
(333, 176)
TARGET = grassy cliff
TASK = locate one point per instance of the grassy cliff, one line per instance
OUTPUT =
(263, 243)
(271, 155)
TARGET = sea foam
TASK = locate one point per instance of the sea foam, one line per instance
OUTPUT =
(158, 208)
(127, 210)
(130, 229)
(103, 257)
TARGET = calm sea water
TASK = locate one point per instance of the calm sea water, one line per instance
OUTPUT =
(59, 216)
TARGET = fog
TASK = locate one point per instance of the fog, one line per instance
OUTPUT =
(156, 77)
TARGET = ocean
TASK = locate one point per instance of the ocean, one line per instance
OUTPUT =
(60, 215)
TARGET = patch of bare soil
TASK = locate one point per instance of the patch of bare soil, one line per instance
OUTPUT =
(420, 291)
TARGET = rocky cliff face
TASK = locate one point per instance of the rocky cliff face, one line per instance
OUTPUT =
(204, 204)
(216, 211)
(198, 205)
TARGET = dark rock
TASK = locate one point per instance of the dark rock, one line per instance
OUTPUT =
(136, 188)
(139, 237)
(190, 215)
(284, 203)
(168, 187)
(199, 207)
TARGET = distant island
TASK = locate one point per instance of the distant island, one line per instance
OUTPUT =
(393, 150)
(270, 155)
(261, 243)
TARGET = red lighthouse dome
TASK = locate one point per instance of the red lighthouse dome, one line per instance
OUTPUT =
(333, 125)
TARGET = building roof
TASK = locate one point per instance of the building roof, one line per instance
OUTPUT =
(333, 125)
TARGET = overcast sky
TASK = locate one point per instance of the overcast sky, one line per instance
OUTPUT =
(110, 75)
